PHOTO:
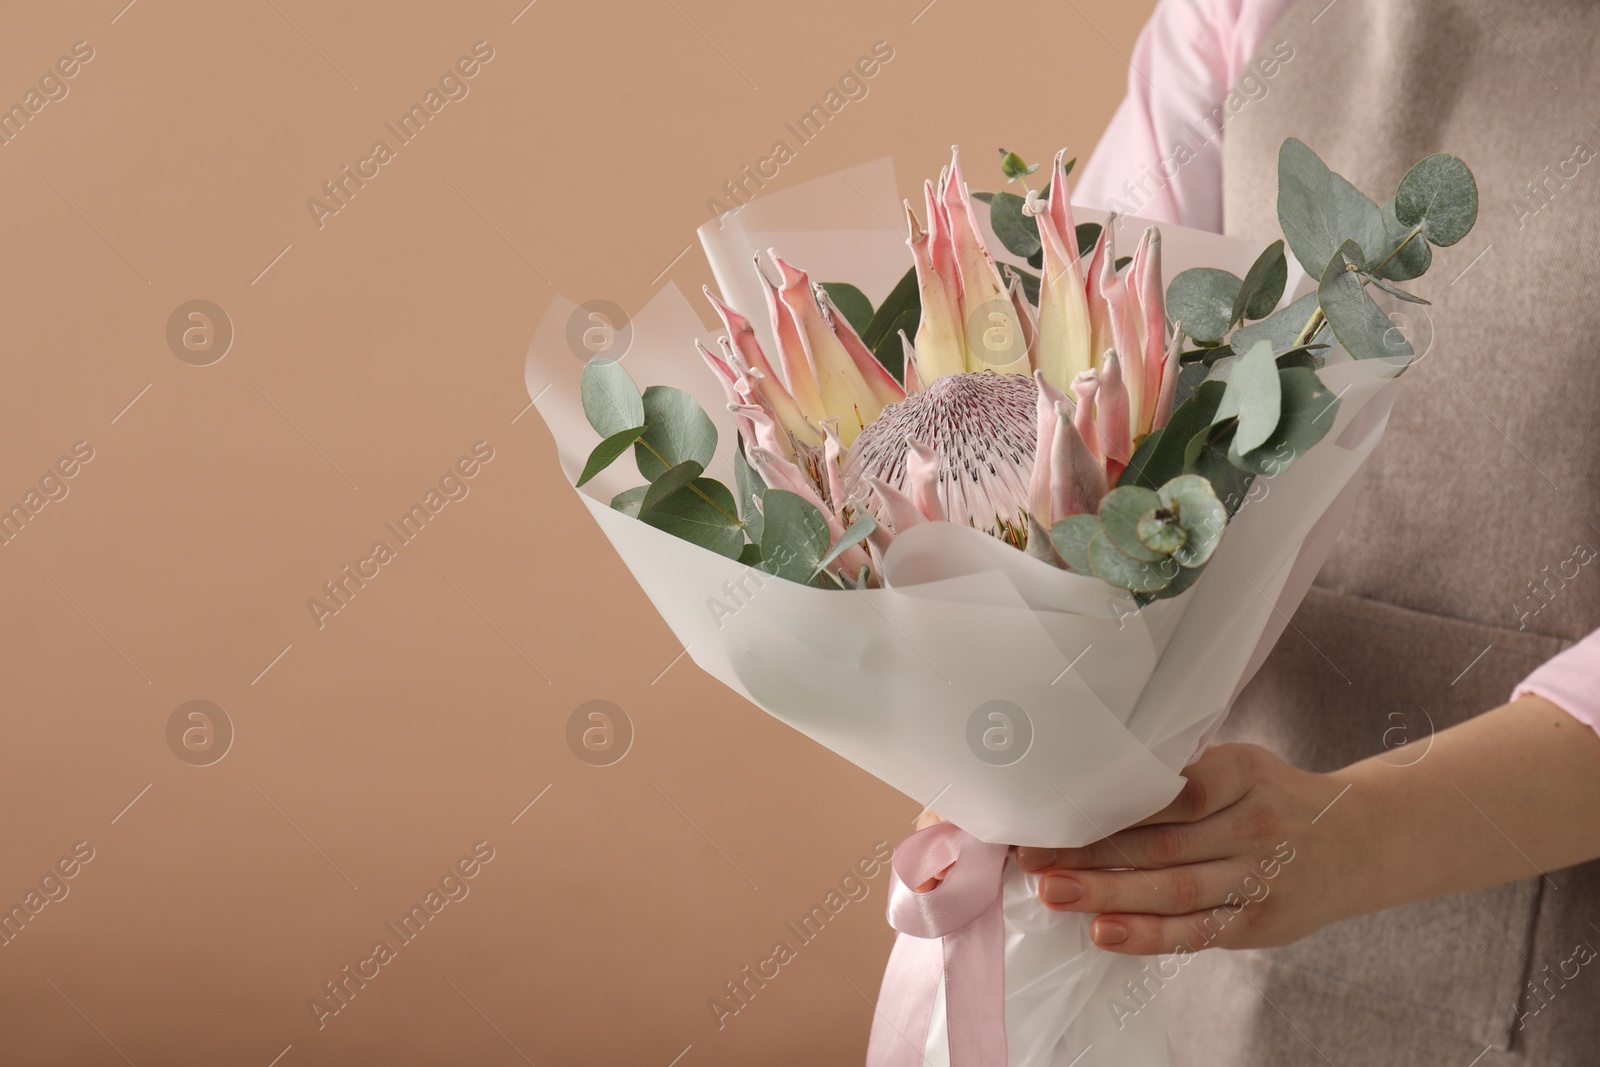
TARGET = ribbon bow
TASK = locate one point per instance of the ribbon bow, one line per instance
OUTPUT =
(955, 931)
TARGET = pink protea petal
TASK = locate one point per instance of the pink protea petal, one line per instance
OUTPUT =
(941, 342)
(798, 377)
(762, 432)
(1150, 318)
(1085, 386)
(1050, 398)
(1065, 338)
(1104, 253)
(895, 506)
(922, 478)
(1077, 480)
(880, 381)
(779, 473)
(911, 374)
(831, 451)
(742, 337)
(993, 332)
(1169, 380)
(845, 393)
(1124, 337)
(730, 387)
(941, 244)
(1111, 417)
(1025, 316)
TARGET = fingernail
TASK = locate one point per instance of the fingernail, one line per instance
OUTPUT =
(1107, 932)
(1035, 859)
(1060, 889)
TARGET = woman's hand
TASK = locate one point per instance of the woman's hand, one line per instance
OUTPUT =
(1254, 852)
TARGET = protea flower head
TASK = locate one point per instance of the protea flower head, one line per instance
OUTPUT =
(1009, 418)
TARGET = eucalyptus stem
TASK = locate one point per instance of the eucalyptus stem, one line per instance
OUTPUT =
(1309, 330)
(1384, 262)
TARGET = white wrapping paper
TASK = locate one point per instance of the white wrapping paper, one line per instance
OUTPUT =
(1117, 701)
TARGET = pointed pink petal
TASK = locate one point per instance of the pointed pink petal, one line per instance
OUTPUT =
(1150, 318)
(831, 451)
(941, 337)
(1025, 316)
(911, 374)
(1099, 311)
(922, 478)
(1124, 337)
(1169, 380)
(994, 335)
(845, 393)
(1039, 484)
(797, 374)
(1085, 386)
(1077, 480)
(880, 381)
(895, 507)
(742, 336)
(1111, 417)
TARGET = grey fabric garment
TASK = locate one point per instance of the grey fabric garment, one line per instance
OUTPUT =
(1471, 556)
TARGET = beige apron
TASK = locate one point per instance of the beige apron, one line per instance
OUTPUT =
(1471, 557)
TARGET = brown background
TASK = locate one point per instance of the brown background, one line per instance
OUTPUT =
(427, 714)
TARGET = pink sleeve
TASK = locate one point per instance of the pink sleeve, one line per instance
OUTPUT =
(1161, 157)
(1571, 681)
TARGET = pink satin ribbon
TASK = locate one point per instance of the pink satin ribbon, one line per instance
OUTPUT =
(955, 931)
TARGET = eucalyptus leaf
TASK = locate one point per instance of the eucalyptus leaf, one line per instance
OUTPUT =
(1018, 232)
(702, 513)
(1439, 194)
(795, 538)
(1309, 410)
(1135, 575)
(606, 452)
(1413, 260)
(1120, 512)
(1165, 458)
(858, 532)
(610, 398)
(629, 500)
(1263, 285)
(749, 486)
(668, 483)
(1202, 299)
(1190, 379)
(1088, 234)
(904, 297)
(750, 554)
(1071, 537)
(852, 304)
(1357, 321)
(890, 352)
(1253, 395)
(676, 430)
(1030, 283)
(1228, 481)
(982, 197)
(1281, 327)
(1201, 515)
(1187, 576)
(1318, 210)
(1397, 292)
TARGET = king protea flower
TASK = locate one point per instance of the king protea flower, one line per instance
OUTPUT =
(1009, 419)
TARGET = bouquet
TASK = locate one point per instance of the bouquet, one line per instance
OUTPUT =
(1011, 538)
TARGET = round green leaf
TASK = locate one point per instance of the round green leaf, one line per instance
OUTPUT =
(1253, 395)
(1187, 576)
(1413, 260)
(1159, 531)
(629, 500)
(904, 297)
(1281, 327)
(1263, 285)
(670, 482)
(1018, 232)
(702, 513)
(1309, 410)
(1120, 512)
(675, 431)
(1201, 515)
(1125, 572)
(1439, 194)
(1318, 210)
(1088, 234)
(794, 538)
(852, 304)
(610, 398)
(1202, 299)
(606, 452)
(1071, 537)
(750, 487)
(1357, 321)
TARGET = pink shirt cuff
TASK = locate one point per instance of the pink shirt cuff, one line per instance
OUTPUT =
(1571, 681)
